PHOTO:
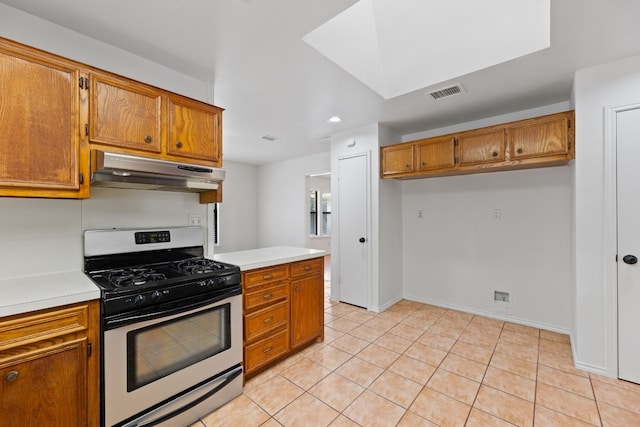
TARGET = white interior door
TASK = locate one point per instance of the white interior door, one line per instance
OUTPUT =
(353, 241)
(628, 196)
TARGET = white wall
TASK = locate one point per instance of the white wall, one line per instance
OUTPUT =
(238, 213)
(596, 90)
(456, 255)
(282, 200)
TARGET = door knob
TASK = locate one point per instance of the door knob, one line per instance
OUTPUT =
(362, 240)
(630, 259)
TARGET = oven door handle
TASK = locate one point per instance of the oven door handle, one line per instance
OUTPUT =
(191, 303)
(230, 376)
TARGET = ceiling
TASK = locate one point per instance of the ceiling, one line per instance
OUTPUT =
(270, 82)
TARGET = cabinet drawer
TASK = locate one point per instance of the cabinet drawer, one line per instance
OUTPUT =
(310, 266)
(266, 296)
(266, 350)
(266, 320)
(263, 276)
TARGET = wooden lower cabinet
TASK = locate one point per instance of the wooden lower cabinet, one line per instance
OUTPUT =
(283, 309)
(49, 367)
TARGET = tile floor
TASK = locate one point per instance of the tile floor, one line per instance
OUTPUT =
(421, 365)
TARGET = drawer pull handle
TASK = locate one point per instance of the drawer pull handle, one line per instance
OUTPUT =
(268, 319)
(268, 277)
(11, 376)
(307, 267)
(267, 296)
(267, 350)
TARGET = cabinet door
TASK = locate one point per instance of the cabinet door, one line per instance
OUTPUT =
(39, 112)
(545, 136)
(124, 114)
(435, 153)
(483, 146)
(194, 130)
(397, 159)
(307, 306)
(50, 389)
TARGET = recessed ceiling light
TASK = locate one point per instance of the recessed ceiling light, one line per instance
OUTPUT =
(334, 119)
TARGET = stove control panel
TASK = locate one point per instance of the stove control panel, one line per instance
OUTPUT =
(146, 237)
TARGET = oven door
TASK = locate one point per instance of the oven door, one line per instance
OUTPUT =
(174, 367)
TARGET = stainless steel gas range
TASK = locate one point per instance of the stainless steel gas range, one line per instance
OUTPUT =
(171, 325)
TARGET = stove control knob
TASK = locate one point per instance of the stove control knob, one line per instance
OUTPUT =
(221, 280)
(210, 283)
(140, 299)
(155, 296)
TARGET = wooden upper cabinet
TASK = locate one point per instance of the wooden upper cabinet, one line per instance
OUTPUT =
(435, 153)
(481, 146)
(195, 130)
(40, 143)
(124, 114)
(545, 136)
(397, 159)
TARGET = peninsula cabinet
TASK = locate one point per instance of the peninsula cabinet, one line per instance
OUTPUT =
(50, 367)
(54, 111)
(532, 143)
(40, 111)
(283, 308)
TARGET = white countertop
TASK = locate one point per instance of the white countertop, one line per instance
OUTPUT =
(266, 257)
(23, 294)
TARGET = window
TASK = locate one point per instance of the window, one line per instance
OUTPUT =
(319, 225)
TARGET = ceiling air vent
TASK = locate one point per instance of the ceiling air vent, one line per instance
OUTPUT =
(447, 92)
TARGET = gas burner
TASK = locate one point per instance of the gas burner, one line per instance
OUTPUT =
(197, 266)
(133, 276)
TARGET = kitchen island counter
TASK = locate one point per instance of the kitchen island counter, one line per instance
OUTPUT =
(266, 257)
(30, 293)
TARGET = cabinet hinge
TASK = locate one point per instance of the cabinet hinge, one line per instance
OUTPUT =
(86, 129)
(84, 82)
(81, 82)
(455, 142)
(89, 349)
(569, 123)
(455, 161)
(81, 177)
(616, 257)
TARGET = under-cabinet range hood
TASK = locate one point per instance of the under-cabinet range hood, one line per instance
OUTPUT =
(125, 171)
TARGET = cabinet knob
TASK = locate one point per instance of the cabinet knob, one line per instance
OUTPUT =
(407, 166)
(307, 267)
(148, 139)
(11, 376)
(495, 154)
(179, 144)
(519, 151)
(424, 163)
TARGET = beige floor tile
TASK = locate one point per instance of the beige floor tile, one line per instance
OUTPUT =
(440, 409)
(567, 403)
(360, 371)
(425, 354)
(366, 333)
(555, 336)
(339, 309)
(566, 381)
(426, 315)
(473, 352)
(271, 423)
(413, 369)
(555, 347)
(197, 424)
(436, 341)
(330, 357)
(521, 367)
(391, 316)
(546, 417)
(479, 328)
(336, 391)
(478, 418)
(371, 410)
(359, 316)
(446, 330)
(464, 367)
(455, 386)
(240, 411)
(306, 373)
(563, 363)
(479, 339)
(487, 321)
(306, 410)
(455, 314)
(615, 382)
(343, 421)
(349, 344)
(411, 419)
(617, 417)
(405, 331)
(394, 342)
(275, 394)
(396, 388)
(617, 396)
(382, 324)
(505, 406)
(523, 329)
(418, 323)
(519, 351)
(343, 325)
(521, 387)
(331, 335)
(379, 355)
(519, 338)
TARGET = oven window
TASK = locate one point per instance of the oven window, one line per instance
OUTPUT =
(164, 348)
